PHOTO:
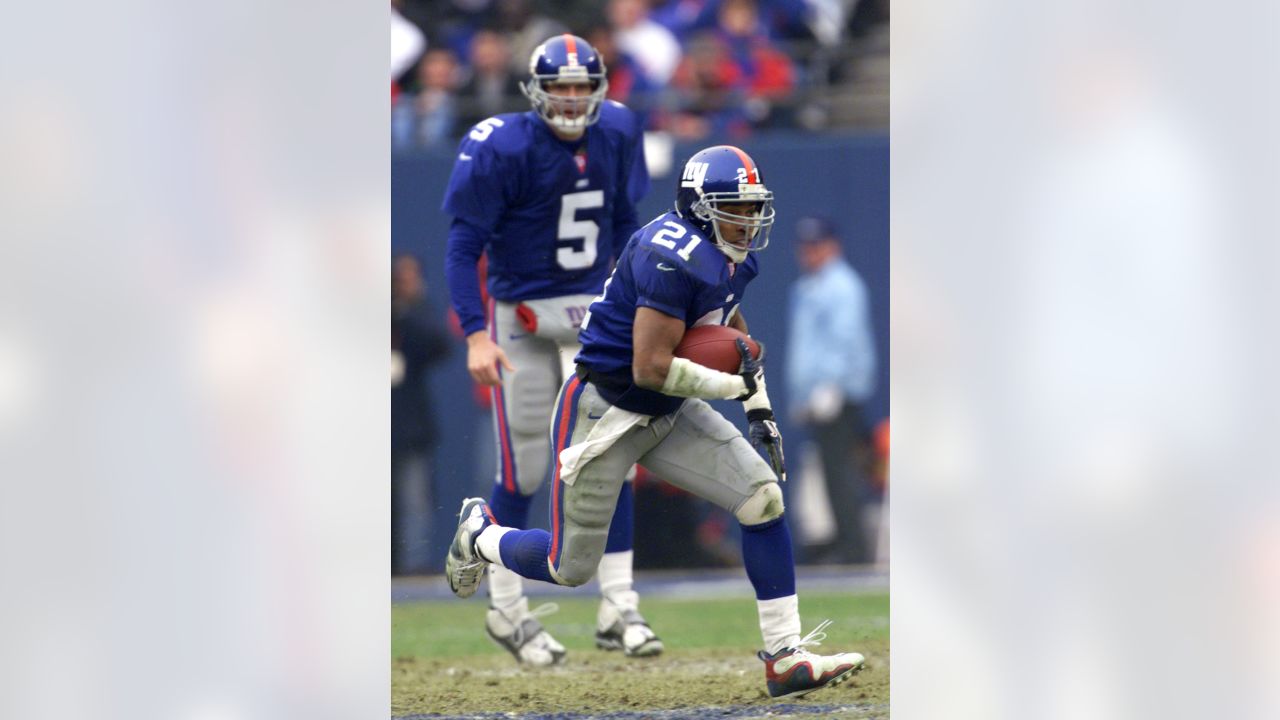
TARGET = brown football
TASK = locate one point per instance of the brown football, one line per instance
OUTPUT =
(713, 346)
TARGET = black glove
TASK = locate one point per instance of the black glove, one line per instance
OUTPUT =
(752, 369)
(763, 431)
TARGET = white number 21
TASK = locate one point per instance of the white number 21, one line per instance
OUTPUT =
(675, 231)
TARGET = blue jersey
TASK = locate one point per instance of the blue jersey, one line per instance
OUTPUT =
(547, 211)
(670, 266)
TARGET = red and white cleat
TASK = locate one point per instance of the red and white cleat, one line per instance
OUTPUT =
(794, 671)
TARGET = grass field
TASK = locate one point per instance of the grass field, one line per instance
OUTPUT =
(443, 663)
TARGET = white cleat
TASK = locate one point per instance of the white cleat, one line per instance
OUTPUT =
(464, 566)
(621, 627)
(518, 631)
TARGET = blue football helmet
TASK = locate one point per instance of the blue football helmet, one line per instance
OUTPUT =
(566, 59)
(725, 175)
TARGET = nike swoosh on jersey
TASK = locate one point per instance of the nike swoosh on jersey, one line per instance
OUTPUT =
(665, 267)
(463, 156)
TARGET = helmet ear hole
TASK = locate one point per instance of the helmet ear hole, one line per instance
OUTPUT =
(701, 211)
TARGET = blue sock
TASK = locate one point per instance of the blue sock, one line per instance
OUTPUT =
(525, 553)
(621, 527)
(510, 509)
(766, 551)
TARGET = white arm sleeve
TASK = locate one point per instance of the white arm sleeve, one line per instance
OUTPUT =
(688, 379)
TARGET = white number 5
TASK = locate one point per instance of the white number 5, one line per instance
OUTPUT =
(576, 239)
(484, 128)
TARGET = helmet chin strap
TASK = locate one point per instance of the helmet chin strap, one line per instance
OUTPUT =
(544, 105)
(734, 253)
(572, 132)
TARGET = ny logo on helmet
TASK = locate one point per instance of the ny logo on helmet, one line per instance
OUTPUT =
(694, 174)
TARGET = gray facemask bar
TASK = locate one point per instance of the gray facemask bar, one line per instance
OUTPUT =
(760, 223)
(544, 103)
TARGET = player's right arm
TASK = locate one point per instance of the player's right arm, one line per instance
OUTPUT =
(655, 367)
(466, 243)
(663, 289)
(483, 356)
(477, 198)
(654, 339)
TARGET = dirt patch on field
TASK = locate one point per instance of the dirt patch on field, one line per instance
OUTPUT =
(703, 682)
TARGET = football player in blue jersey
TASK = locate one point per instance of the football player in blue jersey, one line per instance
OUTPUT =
(632, 401)
(550, 195)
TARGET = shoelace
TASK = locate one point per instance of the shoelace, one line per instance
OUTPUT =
(523, 632)
(813, 639)
(470, 571)
(544, 610)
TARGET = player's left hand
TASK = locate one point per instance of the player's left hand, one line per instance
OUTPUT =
(765, 438)
(751, 369)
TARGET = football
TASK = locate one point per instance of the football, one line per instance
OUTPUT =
(713, 346)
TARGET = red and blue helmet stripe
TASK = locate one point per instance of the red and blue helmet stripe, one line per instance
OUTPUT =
(565, 56)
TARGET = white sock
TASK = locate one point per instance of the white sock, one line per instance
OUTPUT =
(505, 587)
(506, 590)
(616, 580)
(487, 543)
(779, 622)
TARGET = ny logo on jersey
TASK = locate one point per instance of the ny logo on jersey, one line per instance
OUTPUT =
(694, 174)
(576, 314)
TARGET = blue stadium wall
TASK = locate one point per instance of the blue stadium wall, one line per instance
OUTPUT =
(845, 177)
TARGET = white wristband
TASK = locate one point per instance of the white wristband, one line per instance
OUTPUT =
(688, 379)
(759, 400)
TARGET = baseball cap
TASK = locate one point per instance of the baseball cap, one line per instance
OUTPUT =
(814, 228)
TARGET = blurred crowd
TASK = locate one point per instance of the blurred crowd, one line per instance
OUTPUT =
(693, 68)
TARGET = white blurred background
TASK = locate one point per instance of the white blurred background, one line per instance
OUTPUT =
(193, 403)
(1085, 505)
(193, 397)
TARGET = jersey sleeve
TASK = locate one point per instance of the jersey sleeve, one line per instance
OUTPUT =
(633, 179)
(662, 284)
(465, 244)
(638, 177)
(484, 180)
